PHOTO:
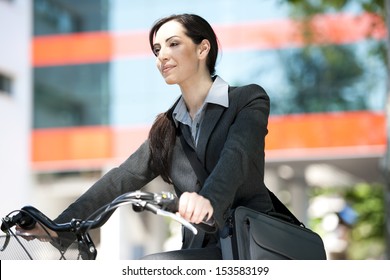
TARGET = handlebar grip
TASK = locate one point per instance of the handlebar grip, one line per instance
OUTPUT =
(37, 215)
(22, 219)
(30, 216)
(25, 221)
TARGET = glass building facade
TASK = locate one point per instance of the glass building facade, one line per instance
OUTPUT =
(96, 91)
(126, 89)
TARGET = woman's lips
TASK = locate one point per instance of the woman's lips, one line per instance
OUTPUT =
(167, 68)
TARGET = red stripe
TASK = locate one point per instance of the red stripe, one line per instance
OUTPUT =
(294, 136)
(100, 47)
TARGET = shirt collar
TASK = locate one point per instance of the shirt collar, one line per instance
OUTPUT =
(218, 94)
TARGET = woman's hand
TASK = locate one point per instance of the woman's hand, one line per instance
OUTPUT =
(39, 232)
(195, 208)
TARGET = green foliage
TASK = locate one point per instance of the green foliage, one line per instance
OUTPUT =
(367, 235)
(334, 67)
(305, 8)
(323, 78)
(327, 77)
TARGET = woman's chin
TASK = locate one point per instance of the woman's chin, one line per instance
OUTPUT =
(170, 81)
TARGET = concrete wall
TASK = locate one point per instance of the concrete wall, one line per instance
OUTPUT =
(15, 109)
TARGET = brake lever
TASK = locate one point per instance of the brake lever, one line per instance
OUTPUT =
(22, 218)
(7, 237)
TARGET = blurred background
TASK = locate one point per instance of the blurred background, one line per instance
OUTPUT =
(79, 90)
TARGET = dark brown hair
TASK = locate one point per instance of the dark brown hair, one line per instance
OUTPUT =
(162, 135)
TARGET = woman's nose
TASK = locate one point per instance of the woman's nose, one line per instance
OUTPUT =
(162, 54)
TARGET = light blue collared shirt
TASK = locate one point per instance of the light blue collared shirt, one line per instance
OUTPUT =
(218, 94)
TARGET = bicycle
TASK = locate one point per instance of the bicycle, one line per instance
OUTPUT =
(19, 246)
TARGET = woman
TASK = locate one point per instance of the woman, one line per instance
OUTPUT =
(225, 126)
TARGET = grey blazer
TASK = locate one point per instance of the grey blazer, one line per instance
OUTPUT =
(231, 148)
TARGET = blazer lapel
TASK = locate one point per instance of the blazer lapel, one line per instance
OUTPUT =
(211, 118)
(185, 131)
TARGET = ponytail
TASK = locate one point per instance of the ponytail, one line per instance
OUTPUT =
(162, 138)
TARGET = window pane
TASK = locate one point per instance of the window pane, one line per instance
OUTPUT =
(71, 96)
(5, 84)
(69, 16)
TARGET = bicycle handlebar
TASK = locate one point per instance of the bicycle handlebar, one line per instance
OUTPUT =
(163, 204)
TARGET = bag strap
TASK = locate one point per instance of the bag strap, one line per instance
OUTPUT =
(282, 209)
(202, 175)
(197, 166)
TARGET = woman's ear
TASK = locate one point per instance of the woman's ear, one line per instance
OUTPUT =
(204, 49)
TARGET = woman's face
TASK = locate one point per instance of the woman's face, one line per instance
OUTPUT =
(178, 58)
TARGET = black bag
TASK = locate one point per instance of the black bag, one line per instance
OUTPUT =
(258, 236)
(251, 235)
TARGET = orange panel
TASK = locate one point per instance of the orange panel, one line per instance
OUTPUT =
(131, 44)
(347, 129)
(127, 140)
(298, 136)
(71, 144)
(259, 35)
(347, 28)
(99, 47)
(72, 49)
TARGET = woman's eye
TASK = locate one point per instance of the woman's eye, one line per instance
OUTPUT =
(156, 51)
(174, 44)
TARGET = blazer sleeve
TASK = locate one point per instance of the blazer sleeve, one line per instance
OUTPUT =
(244, 146)
(131, 175)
